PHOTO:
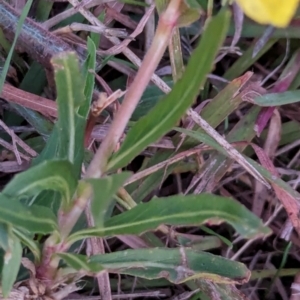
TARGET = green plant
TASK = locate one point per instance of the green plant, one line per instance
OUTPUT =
(49, 209)
(57, 173)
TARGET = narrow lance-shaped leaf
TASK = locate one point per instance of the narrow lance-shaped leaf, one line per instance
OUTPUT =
(35, 219)
(180, 210)
(168, 111)
(176, 265)
(11, 266)
(88, 65)
(28, 241)
(80, 262)
(190, 11)
(66, 139)
(70, 95)
(50, 175)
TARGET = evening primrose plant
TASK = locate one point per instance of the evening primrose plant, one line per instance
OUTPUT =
(50, 210)
(43, 209)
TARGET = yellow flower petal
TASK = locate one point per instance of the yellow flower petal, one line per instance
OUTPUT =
(278, 13)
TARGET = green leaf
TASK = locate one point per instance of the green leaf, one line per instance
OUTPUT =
(168, 111)
(35, 119)
(51, 149)
(276, 99)
(244, 62)
(36, 74)
(191, 210)
(5, 231)
(96, 37)
(190, 11)
(197, 243)
(66, 140)
(50, 175)
(11, 266)
(176, 265)
(28, 241)
(79, 262)
(89, 64)
(35, 219)
(103, 191)
(149, 99)
(43, 10)
(70, 96)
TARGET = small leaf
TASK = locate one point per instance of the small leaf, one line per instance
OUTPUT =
(11, 266)
(176, 265)
(55, 175)
(273, 12)
(103, 191)
(180, 210)
(168, 111)
(88, 65)
(190, 11)
(35, 219)
(70, 96)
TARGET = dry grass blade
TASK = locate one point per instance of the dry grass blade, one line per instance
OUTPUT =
(238, 22)
(270, 147)
(18, 140)
(9, 147)
(139, 29)
(172, 160)
(34, 102)
(232, 152)
(290, 203)
(128, 53)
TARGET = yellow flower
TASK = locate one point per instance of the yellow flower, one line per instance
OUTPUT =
(278, 13)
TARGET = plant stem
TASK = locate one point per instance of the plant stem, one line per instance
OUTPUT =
(166, 24)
